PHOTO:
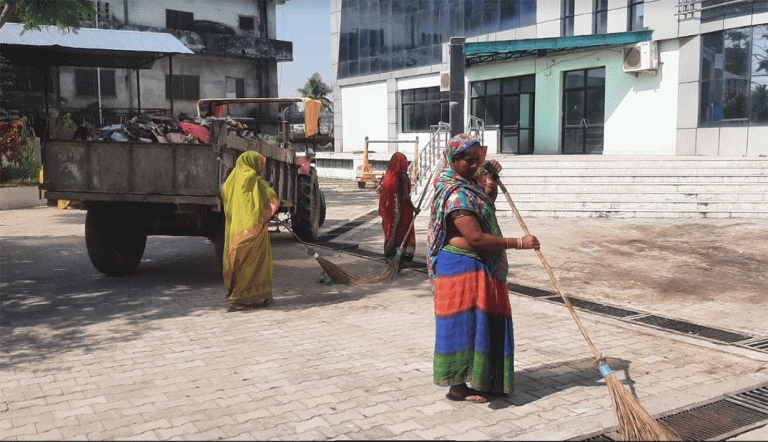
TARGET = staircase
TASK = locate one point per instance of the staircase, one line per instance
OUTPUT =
(634, 187)
(613, 186)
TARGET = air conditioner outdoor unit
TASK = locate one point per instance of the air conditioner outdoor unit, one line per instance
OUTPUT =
(445, 81)
(641, 57)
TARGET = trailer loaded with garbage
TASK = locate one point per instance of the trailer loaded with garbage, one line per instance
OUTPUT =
(161, 175)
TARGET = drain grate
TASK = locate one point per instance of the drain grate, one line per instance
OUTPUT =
(718, 419)
(595, 307)
(530, 291)
(757, 398)
(759, 344)
(692, 329)
(712, 420)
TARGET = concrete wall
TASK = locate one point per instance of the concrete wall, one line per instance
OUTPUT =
(365, 115)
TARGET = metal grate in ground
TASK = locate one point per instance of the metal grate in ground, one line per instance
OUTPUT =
(529, 291)
(759, 344)
(718, 419)
(692, 329)
(596, 307)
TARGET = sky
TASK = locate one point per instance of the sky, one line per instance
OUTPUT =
(306, 23)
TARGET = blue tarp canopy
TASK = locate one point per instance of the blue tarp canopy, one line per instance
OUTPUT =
(483, 52)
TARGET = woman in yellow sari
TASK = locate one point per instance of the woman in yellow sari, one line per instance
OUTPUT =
(249, 204)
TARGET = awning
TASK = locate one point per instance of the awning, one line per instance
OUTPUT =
(107, 48)
(483, 52)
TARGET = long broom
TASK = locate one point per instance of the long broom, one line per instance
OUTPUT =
(635, 423)
(336, 273)
(393, 268)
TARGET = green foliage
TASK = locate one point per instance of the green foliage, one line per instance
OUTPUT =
(316, 89)
(65, 14)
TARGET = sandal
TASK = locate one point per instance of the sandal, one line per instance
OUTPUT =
(466, 394)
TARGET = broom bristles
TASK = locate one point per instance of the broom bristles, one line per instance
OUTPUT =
(635, 423)
(336, 273)
(393, 268)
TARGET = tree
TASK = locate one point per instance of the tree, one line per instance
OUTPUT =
(65, 14)
(317, 90)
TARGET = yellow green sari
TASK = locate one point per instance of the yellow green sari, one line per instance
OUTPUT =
(249, 204)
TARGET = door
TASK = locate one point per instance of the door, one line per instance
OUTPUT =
(583, 111)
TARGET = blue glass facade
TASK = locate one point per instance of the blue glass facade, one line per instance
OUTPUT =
(386, 35)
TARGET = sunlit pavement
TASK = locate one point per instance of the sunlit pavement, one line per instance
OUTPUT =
(157, 355)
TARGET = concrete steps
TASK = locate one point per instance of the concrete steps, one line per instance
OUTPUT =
(643, 186)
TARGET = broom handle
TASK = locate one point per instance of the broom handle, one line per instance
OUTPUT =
(421, 200)
(549, 271)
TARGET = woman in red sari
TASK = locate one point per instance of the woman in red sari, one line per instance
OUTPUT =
(396, 209)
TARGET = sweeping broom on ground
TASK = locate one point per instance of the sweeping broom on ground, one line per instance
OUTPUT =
(394, 265)
(336, 273)
(635, 423)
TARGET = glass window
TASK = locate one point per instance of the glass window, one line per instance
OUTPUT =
(422, 108)
(734, 77)
(183, 87)
(246, 23)
(235, 87)
(636, 15)
(506, 105)
(178, 19)
(569, 12)
(85, 82)
(383, 30)
(600, 25)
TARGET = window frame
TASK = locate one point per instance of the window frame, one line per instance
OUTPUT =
(239, 86)
(422, 101)
(633, 6)
(242, 20)
(106, 77)
(190, 87)
(599, 11)
(568, 18)
(715, 86)
(182, 20)
(522, 86)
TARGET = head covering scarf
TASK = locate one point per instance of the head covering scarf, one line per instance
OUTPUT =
(249, 204)
(454, 192)
(395, 207)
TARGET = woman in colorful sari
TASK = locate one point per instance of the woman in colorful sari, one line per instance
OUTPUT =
(396, 208)
(467, 266)
(249, 204)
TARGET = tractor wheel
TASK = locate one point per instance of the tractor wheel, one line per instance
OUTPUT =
(305, 219)
(322, 208)
(115, 245)
(361, 184)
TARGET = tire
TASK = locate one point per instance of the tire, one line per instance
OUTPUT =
(218, 247)
(115, 245)
(305, 219)
(322, 208)
(361, 184)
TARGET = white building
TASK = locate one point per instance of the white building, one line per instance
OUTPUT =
(701, 91)
(235, 54)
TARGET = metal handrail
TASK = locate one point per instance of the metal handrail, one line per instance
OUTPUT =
(431, 156)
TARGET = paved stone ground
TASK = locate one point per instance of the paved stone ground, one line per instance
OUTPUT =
(337, 362)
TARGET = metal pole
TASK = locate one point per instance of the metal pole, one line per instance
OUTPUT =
(456, 93)
(138, 91)
(170, 72)
(98, 79)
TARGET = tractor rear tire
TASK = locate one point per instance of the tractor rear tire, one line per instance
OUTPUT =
(115, 244)
(323, 208)
(305, 219)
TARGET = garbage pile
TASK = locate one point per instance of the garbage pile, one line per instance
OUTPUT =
(159, 128)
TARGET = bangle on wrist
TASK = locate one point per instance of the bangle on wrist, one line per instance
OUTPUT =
(520, 242)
